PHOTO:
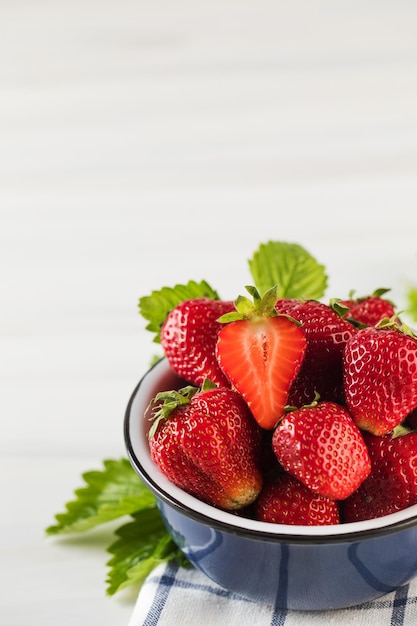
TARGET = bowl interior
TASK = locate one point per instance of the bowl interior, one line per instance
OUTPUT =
(159, 378)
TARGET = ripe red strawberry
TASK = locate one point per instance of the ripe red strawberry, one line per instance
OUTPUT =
(189, 336)
(392, 484)
(207, 442)
(322, 368)
(369, 310)
(289, 501)
(261, 352)
(380, 376)
(322, 447)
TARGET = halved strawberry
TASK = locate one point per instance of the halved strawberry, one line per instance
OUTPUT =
(260, 353)
(207, 442)
(287, 500)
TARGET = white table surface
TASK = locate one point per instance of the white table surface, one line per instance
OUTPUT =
(147, 143)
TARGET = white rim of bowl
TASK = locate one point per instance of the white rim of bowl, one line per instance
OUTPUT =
(160, 377)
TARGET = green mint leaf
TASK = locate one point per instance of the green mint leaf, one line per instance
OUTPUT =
(412, 303)
(142, 544)
(109, 493)
(155, 307)
(289, 266)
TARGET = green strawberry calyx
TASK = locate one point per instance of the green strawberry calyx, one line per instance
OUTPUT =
(289, 408)
(260, 307)
(392, 323)
(343, 311)
(338, 307)
(164, 403)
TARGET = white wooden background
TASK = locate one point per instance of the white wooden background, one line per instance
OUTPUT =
(147, 143)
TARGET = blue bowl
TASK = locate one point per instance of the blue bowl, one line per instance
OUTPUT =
(289, 567)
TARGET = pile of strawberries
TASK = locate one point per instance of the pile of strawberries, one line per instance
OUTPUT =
(292, 411)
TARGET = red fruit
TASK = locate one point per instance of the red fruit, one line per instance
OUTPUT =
(261, 352)
(392, 484)
(288, 501)
(207, 442)
(322, 369)
(323, 448)
(380, 377)
(189, 336)
(369, 310)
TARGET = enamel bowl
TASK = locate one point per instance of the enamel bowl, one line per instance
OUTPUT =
(290, 567)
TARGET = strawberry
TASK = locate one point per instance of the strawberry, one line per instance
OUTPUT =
(207, 442)
(321, 446)
(392, 484)
(289, 501)
(322, 368)
(380, 376)
(188, 337)
(369, 310)
(260, 352)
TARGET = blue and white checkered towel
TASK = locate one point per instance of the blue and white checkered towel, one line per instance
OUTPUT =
(173, 596)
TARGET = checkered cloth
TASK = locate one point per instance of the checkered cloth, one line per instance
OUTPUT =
(173, 595)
